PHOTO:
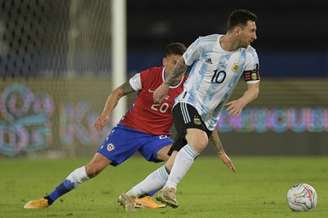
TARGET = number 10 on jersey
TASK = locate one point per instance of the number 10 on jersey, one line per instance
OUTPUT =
(218, 76)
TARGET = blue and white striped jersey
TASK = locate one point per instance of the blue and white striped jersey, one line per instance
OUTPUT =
(214, 74)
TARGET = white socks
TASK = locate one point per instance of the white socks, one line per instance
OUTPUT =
(152, 182)
(78, 176)
(183, 162)
(157, 179)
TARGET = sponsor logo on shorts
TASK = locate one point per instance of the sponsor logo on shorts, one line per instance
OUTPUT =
(197, 121)
(110, 147)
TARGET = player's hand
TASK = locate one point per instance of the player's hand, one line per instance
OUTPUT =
(101, 121)
(160, 93)
(227, 161)
(235, 107)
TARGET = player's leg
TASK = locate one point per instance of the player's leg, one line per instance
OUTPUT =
(114, 150)
(157, 179)
(163, 153)
(182, 163)
(197, 141)
(154, 181)
(143, 191)
(76, 177)
(97, 164)
(155, 149)
(189, 124)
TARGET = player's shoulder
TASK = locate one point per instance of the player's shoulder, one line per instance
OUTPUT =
(212, 37)
(207, 43)
(156, 69)
(151, 74)
(152, 71)
(251, 52)
(208, 39)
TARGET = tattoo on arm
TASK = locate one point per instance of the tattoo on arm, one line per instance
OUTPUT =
(216, 141)
(179, 69)
(126, 88)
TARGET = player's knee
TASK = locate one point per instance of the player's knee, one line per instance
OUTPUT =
(93, 169)
(163, 156)
(197, 140)
(200, 144)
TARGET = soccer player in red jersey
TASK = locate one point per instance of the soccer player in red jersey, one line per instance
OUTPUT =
(144, 128)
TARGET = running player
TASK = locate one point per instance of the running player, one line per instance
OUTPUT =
(218, 62)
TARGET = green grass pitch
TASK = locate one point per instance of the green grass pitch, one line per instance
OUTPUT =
(258, 190)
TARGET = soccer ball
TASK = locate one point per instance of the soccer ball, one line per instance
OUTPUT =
(302, 197)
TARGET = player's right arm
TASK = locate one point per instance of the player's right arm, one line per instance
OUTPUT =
(189, 57)
(111, 103)
(173, 79)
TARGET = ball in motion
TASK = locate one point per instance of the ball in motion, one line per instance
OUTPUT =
(302, 197)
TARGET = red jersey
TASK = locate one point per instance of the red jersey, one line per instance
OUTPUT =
(145, 115)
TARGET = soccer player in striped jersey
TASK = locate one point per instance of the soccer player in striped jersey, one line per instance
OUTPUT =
(218, 62)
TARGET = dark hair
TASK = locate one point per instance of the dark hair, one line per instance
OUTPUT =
(175, 48)
(240, 17)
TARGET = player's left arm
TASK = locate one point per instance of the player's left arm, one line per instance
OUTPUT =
(236, 106)
(220, 151)
(252, 78)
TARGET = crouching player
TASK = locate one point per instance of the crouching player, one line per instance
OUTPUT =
(144, 128)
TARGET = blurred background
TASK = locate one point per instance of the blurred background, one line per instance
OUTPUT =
(57, 66)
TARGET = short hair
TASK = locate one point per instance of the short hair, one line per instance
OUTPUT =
(175, 48)
(240, 17)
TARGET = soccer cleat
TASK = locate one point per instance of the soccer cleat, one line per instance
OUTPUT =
(148, 202)
(128, 202)
(35, 204)
(168, 196)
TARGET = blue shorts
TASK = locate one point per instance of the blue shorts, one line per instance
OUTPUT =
(123, 142)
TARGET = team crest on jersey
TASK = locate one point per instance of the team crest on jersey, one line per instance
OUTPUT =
(110, 147)
(197, 120)
(235, 68)
(162, 136)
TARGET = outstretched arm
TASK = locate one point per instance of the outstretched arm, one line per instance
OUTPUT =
(236, 106)
(111, 103)
(220, 151)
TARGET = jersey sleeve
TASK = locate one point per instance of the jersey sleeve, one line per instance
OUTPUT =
(143, 79)
(251, 72)
(193, 52)
(135, 82)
